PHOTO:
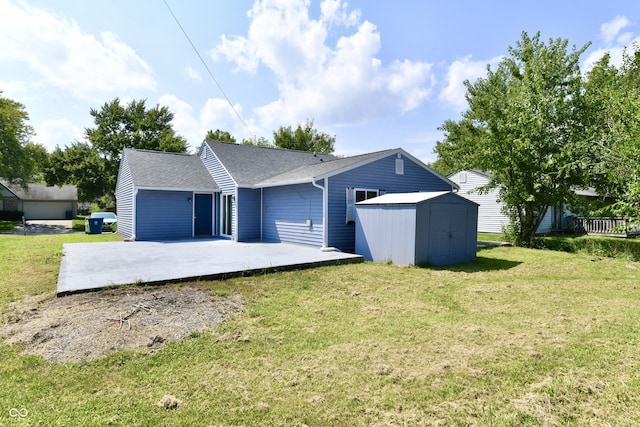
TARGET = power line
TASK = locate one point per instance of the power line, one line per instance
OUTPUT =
(208, 70)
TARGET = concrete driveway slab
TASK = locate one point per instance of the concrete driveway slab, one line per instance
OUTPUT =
(91, 266)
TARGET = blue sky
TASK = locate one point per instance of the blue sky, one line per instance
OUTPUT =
(377, 74)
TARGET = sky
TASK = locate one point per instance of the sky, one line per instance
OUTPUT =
(376, 74)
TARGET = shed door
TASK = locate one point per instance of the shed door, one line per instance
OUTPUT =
(448, 228)
(203, 215)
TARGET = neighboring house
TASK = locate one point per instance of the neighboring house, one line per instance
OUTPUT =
(490, 216)
(276, 195)
(39, 201)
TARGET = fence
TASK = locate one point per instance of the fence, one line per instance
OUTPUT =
(605, 226)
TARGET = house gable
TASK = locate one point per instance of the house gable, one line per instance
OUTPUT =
(379, 174)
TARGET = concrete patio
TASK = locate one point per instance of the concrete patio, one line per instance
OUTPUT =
(92, 266)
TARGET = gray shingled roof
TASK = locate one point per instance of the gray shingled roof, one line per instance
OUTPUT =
(319, 170)
(43, 192)
(155, 169)
(250, 165)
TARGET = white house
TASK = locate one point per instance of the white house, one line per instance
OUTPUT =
(490, 216)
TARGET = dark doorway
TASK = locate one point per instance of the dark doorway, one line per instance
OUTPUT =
(203, 215)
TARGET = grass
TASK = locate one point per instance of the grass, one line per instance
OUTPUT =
(520, 337)
(491, 237)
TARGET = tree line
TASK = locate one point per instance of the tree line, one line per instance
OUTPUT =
(544, 130)
(541, 127)
(92, 164)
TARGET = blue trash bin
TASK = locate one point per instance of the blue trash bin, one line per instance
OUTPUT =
(94, 226)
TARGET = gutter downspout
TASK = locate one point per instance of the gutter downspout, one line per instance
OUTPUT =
(133, 219)
(325, 215)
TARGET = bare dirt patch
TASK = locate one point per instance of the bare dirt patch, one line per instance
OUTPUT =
(86, 326)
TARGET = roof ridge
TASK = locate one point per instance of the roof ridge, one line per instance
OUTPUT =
(272, 148)
(144, 150)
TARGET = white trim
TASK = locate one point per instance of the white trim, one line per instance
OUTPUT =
(325, 212)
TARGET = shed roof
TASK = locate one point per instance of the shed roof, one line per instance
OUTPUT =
(164, 170)
(43, 192)
(409, 198)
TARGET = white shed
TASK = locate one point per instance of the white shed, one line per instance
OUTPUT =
(437, 228)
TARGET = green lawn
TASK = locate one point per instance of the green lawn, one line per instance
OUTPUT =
(520, 337)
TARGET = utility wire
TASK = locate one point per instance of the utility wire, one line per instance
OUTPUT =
(208, 69)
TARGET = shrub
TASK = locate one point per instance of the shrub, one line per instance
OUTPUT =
(11, 215)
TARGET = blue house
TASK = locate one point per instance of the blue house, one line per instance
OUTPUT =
(276, 195)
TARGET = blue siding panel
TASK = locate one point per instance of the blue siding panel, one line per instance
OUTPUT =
(125, 201)
(163, 215)
(248, 207)
(286, 212)
(380, 175)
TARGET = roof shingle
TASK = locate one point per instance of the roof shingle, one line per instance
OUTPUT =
(164, 170)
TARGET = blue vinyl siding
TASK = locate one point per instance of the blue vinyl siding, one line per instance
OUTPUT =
(164, 215)
(248, 208)
(286, 211)
(124, 201)
(380, 175)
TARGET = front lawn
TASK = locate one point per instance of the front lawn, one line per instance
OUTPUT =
(520, 337)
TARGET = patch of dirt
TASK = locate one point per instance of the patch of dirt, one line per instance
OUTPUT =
(90, 325)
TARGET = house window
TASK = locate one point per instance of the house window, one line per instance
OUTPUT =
(355, 195)
(462, 177)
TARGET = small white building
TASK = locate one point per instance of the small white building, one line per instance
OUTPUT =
(490, 216)
(437, 228)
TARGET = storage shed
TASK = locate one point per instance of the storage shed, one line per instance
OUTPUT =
(437, 228)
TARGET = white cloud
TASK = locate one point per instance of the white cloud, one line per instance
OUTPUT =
(615, 42)
(215, 114)
(63, 55)
(341, 83)
(57, 132)
(338, 11)
(459, 71)
(194, 74)
(609, 30)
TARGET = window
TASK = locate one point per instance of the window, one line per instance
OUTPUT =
(355, 195)
(462, 177)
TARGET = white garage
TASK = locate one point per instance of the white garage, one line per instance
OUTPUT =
(39, 201)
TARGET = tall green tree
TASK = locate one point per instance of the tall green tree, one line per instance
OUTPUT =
(524, 123)
(81, 165)
(117, 127)
(613, 97)
(305, 138)
(260, 141)
(16, 163)
(219, 135)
